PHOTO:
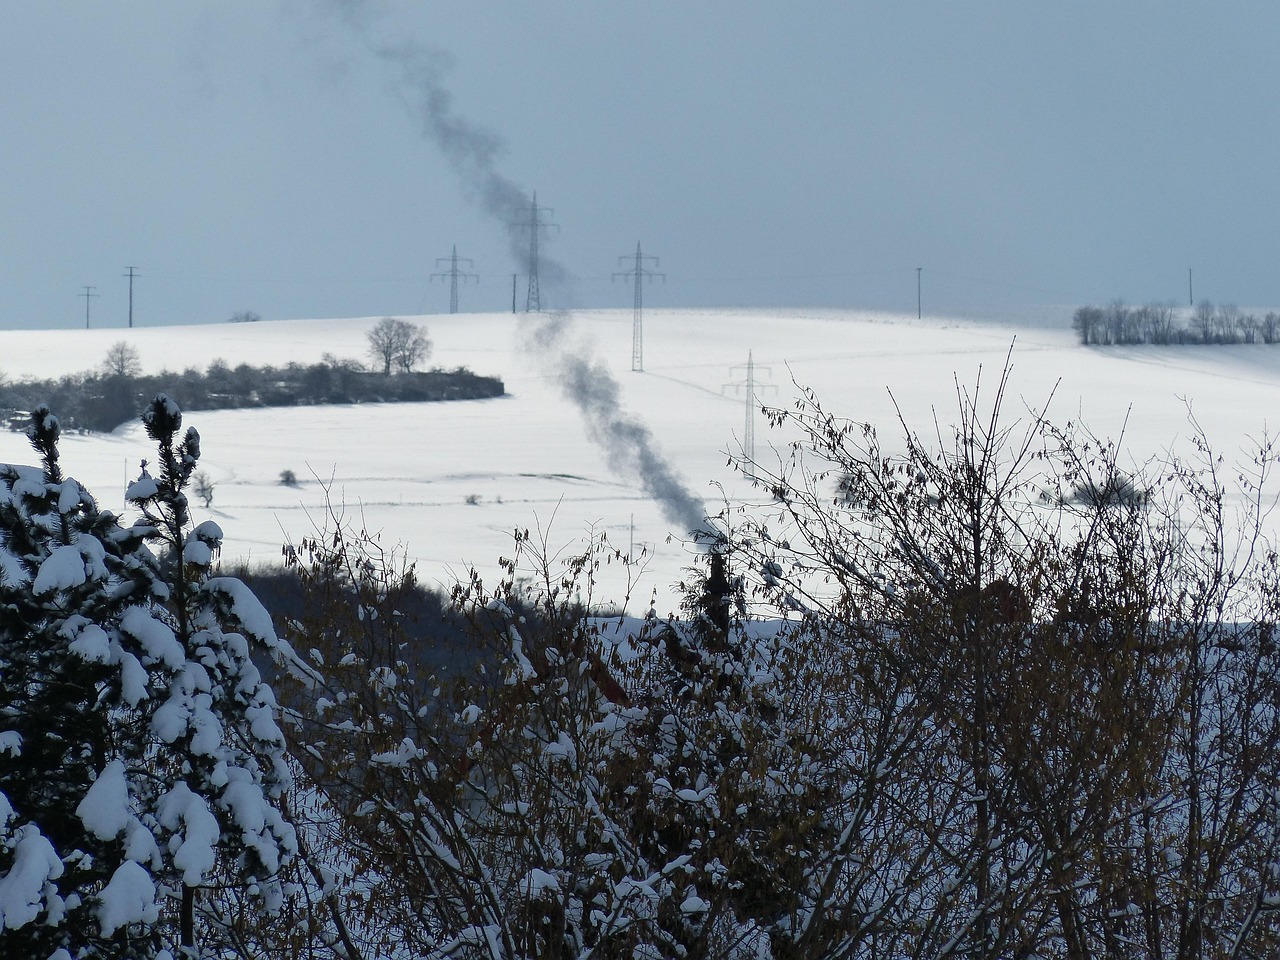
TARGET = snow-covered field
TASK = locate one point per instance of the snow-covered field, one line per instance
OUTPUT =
(409, 470)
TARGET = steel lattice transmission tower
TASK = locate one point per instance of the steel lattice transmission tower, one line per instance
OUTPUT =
(535, 225)
(454, 275)
(749, 388)
(639, 274)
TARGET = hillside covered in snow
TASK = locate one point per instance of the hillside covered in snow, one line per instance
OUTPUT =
(450, 482)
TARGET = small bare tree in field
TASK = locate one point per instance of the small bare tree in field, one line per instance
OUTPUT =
(202, 487)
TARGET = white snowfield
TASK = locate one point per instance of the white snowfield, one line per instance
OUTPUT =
(525, 461)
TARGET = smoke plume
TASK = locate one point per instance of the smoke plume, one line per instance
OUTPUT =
(628, 445)
(472, 152)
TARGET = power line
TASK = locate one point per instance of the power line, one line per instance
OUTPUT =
(453, 273)
(88, 293)
(639, 274)
(131, 275)
(535, 224)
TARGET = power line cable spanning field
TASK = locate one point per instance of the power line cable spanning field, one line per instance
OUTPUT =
(454, 275)
(639, 274)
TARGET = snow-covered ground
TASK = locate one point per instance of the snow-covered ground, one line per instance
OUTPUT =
(409, 470)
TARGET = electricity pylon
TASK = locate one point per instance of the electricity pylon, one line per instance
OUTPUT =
(639, 274)
(454, 275)
(749, 388)
(535, 224)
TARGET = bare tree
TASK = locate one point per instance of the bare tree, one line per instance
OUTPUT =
(1088, 323)
(398, 343)
(1271, 327)
(1160, 323)
(382, 343)
(414, 347)
(1249, 326)
(121, 361)
(203, 488)
(1203, 321)
(1228, 323)
(1121, 320)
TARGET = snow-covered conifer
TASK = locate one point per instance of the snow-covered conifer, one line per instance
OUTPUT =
(139, 752)
(220, 752)
(74, 857)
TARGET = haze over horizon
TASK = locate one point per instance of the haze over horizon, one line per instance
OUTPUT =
(264, 157)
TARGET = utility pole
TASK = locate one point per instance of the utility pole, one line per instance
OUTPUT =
(639, 274)
(513, 292)
(131, 275)
(918, 269)
(749, 387)
(88, 293)
(535, 224)
(1191, 300)
(453, 273)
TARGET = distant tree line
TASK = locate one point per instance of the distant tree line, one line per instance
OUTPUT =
(113, 394)
(1121, 323)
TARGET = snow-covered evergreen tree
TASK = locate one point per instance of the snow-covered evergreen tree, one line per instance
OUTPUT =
(139, 751)
(75, 860)
(218, 750)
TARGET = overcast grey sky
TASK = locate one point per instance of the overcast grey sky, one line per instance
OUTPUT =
(260, 156)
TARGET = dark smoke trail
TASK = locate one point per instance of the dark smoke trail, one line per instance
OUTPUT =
(628, 444)
(471, 151)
